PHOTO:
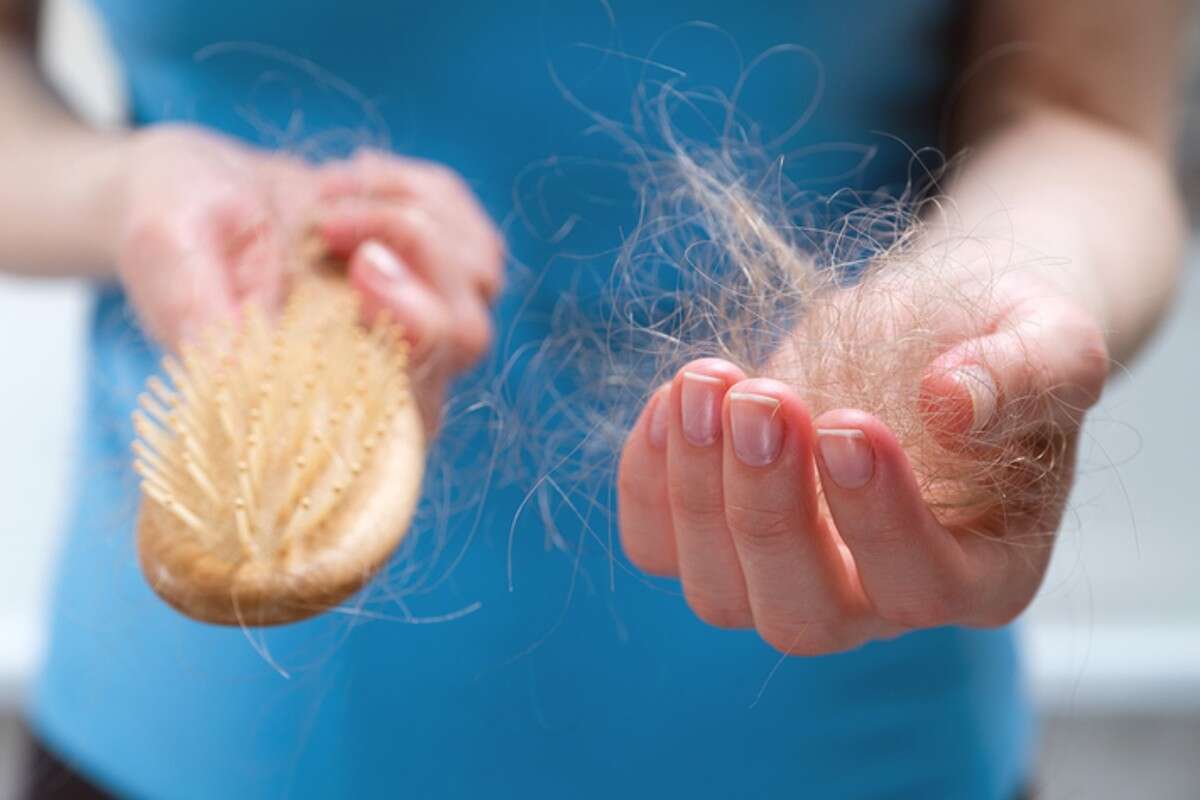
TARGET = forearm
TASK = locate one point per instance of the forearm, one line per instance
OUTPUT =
(1071, 201)
(61, 180)
(1066, 116)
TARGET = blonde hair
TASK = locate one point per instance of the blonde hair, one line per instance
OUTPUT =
(840, 296)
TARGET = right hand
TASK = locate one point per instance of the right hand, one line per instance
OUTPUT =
(208, 224)
(813, 528)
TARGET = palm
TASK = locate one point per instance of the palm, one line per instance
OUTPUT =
(916, 480)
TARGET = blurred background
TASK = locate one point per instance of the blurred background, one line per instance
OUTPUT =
(1113, 639)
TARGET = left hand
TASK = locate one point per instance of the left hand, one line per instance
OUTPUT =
(815, 532)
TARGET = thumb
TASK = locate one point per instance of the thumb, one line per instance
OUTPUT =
(1046, 363)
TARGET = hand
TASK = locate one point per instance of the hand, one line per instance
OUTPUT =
(815, 531)
(209, 224)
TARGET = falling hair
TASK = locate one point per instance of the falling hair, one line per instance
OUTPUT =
(839, 296)
(730, 255)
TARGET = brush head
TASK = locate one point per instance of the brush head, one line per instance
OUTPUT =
(281, 467)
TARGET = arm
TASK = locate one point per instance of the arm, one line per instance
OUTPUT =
(195, 224)
(1068, 118)
(1055, 247)
(57, 199)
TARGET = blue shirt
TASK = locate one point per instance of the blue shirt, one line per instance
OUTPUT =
(584, 679)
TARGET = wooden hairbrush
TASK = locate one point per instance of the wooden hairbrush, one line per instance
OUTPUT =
(281, 467)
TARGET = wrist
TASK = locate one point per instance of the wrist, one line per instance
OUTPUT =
(105, 162)
(73, 216)
(997, 267)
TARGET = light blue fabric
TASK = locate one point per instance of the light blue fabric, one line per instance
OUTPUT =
(584, 680)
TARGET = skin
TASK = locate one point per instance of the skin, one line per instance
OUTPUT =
(194, 224)
(1066, 212)
(1054, 90)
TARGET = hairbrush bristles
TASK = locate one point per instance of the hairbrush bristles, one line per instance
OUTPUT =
(282, 466)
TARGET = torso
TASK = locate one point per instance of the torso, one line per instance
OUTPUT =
(585, 679)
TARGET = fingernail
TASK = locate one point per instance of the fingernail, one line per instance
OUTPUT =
(982, 388)
(756, 428)
(848, 457)
(700, 406)
(658, 419)
(382, 261)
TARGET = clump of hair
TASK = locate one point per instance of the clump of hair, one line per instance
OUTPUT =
(838, 296)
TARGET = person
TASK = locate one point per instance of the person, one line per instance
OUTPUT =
(566, 679)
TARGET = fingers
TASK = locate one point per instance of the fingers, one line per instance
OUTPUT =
(718, 484)
(427, 217)
(414, 237)
(646, 530)
(914, 571)
(374, 179)
(378, 174)
(387, 285)
(708, 563)
(799, 589)
(190, 262)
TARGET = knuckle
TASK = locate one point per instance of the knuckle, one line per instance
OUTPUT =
(940, 603)
(880, 542)
(491, 284)
(634, 490)
(1003, 611)
(805, 639)
(414, 221)
(890, 535)
(409, 232)
(370, 158)
(760, 524)
(427, 337)
(1094, 361)
(692, 503)
(720, 613)
(641, 550)
(1091, 361)
(236, 207)
(473, 338)
(492, 276)
(445, 177)
(430, 177)
(998, 617)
